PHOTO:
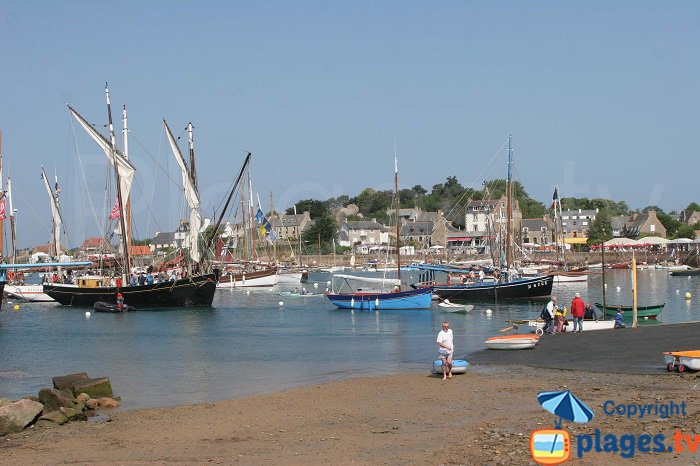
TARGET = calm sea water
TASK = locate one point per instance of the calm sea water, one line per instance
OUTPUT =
(248, 344)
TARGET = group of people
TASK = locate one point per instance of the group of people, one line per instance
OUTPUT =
(555, 315)
(49, 278)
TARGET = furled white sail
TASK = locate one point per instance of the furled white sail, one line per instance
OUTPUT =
(124, 167)
(191, 196)
(55, 213)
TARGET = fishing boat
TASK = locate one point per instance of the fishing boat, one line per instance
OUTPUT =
(195, 289)
(650, 312)
(682, 360)
(396, 298)
(506, 285)
(459, 366)
(7, 268)
(511, 342)
(447, 306)
(684, 273)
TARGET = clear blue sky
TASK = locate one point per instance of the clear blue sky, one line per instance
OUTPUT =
(601, 97)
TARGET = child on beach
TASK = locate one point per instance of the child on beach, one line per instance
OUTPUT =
(620, 319)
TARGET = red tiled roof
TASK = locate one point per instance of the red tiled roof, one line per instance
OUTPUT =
(139, 250)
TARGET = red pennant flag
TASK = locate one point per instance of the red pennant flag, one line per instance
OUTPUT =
(115, 213)
(3, 216)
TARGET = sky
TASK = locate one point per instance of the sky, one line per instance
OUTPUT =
(601, 99)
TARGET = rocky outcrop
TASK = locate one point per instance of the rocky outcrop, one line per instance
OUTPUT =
(18, 415)
(5, 402)
(53, 399)
(66, 381)
(57, 417)
(94, 388)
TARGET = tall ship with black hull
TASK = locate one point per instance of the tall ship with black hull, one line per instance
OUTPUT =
(193, 290)
(505, 285)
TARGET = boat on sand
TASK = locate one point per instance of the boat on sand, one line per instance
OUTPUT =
(682, 360)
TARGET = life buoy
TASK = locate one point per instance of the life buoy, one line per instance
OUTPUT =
(10, 276)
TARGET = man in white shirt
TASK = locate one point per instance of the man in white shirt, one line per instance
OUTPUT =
(445, 350)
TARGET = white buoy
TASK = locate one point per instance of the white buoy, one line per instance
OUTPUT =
(687, 295)
(9, 302)
(617, 289)
(327, 283)
(689, 278)
(606, 285)
(281, 303)
(488, 311)
(87, 314)
(247, 291)
(316, 284)
(678, 291)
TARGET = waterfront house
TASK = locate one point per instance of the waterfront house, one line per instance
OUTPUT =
(95, 245)
(487, 217)
(537, 231)
(576, 223)
(141, 256)
(617, 223)
(690, 218)
(645, 224)
(290, 226)
(356, 233)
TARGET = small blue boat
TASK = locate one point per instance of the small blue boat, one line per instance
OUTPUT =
(369, 301)
(459, 366)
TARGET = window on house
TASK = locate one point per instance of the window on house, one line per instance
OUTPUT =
(652, 228)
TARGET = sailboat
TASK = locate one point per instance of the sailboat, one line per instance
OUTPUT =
(507, 286)
(420, 298)
(193, 290)
(248, 273)
(35, 293)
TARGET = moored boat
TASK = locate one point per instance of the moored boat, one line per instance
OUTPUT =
(538, 287)
(371, 301)
(27, 293)
(684, 273)
(650, 312)
(101, 306)
(511, 342)
(253, 278)
(447, 306)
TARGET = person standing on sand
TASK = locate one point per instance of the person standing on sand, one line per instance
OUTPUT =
(549, 323)
(578, 309)
(446, 349)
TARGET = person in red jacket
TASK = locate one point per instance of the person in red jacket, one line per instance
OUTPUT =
(578, 309)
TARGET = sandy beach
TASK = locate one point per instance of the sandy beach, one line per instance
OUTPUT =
(482, 417)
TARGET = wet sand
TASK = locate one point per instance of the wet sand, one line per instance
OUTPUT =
(482, 417)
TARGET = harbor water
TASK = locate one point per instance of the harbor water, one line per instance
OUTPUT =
(248, 343)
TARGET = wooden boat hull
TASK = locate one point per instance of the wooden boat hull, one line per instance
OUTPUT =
(27, 293)
(511, 342)
(256, 278)
(650, 312)
(101, 306)
(410, 299)
(451, 307)
(459, 366)
(530, 288)
(193, 291)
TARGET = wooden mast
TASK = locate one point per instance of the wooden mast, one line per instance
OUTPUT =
(13, 231)
(398, 227)
(125, 146)
(509, 194)
(122, 220)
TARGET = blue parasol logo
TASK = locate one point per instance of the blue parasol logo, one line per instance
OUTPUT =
(566, 405)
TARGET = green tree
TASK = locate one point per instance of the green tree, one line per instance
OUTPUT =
(323, 228)
(315, 207)
(600, 230)
(692, 207)
(685, 231)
